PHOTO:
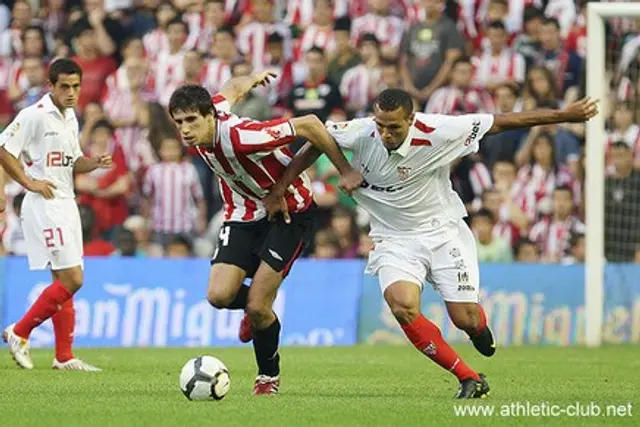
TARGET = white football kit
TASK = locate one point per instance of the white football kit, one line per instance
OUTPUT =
(49, 145)
(417, 221)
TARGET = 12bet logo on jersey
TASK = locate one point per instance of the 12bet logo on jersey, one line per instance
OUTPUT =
(475, 130)
(57, 159)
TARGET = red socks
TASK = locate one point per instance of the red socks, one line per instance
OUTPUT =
(47, 304)
(426, 337)
(64, 322)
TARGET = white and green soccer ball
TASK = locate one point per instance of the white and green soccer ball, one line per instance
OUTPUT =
(204, 378)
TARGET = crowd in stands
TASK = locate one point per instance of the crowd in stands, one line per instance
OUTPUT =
(524, 190)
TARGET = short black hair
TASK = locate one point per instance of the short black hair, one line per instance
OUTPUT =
(63, 66)
(523, 241)
(497, 25)
(484, 213)
(513, 88)
(531, 13)
(178, 21)
(191, 98)
(369, 38)
(316, 49)
(342, 24)
(227, 29)
(275, 37)
(104, 124)
(565, 188)
(181, 239)
(461, 60)
(392, 99)
(389, 62)
(621, 144)
(552, 21)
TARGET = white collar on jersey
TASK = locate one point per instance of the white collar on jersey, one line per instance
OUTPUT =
(47, 104)
(403, 150)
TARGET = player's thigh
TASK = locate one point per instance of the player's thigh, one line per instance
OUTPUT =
(284, 243)
(454, 269)
(238, 244)
(51, 230)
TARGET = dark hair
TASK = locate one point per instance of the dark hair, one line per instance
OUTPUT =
(392, 99)
(523, 241)
(369, 38)
(388, 62)
(180, 239)
(531, 13)
(564, 188)
(342, 24)
(275, 37)
(461, 60)
(552, 145)
(227, 29)
(191, 98)
(316, 49)
(484, 213)
(102, 124)
(497, 25)
(621, 144)
(502, 2)
(552, 21)
(513, 88)
(63, 66)
(128, 41)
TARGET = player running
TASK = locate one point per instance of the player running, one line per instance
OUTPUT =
(417, 219)
(46, 136)
(248, 156)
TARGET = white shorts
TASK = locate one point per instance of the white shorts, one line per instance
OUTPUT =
(448, 260)
(52, 232)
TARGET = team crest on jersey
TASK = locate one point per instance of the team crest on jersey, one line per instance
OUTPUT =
(403, 172)
(275, 133)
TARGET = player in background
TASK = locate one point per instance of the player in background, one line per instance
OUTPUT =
(248, 156)
(417, 221)
(45, 136)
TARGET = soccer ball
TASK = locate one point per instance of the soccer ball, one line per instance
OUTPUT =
(204, 378)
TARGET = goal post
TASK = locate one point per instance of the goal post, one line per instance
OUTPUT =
(597, 87)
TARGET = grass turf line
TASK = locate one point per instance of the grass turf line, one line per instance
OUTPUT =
(340, 386)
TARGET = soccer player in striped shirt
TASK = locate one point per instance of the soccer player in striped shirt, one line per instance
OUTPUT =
(417, 219)
(248, 157)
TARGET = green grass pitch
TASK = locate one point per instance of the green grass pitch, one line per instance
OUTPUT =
(354, 386)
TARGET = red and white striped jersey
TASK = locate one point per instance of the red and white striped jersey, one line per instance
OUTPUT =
(553, 237)
(473, 15)
(452, 101)
(249, 156)
(176, 190)
(17, 76)
(252, 42)
(315, 36)
(155, 42)
(11, 43)
(218, 73)
(480, 178)
(118, 80)
(300, 12)
(168, 69)
(534, 187)
(388, 29)
(359, 86)
(195, 23)
(565, 12)
(6, 71)
(509, 65)
(506, 231)
(119, 106)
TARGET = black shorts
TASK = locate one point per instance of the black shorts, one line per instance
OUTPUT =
(246, 244)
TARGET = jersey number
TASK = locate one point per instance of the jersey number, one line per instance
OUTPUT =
(50, 237)
(224, 239)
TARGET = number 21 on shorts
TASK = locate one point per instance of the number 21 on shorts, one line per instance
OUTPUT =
(53, 237)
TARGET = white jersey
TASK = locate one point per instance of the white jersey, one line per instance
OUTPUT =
(48, 143)
(408, 191)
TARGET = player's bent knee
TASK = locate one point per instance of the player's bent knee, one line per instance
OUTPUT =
(219, 298)
(403, 299)
(464, 315)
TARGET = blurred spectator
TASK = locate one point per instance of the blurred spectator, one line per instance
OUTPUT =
(577, 249)
(12, 236)
(499, 64)
(320, 31)
(490, 247)
(365, 243)
(345, 55)
(175, 199)
(105, 190)
(360, 84)
(564, 65)
(214, 21)
(168, 67)
(552, 234)
(540, 89)
(193, 73)
(94, 245)
(252, 105)
(460, 97)
(11, 39)
(140, 227)
(326, 245)
(429, 50)
(225, 54)
(317, 95)
(624, 129)
(157, 40)
(179, 247)
(526, 251)
(31, 85)
(343, 224)
(387, 28)
(126, 245)
(528, 43)
(622, 206)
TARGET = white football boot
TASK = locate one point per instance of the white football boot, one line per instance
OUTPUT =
(74, 365)
(19, 348)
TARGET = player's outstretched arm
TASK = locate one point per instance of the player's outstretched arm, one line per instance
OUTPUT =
(579, 111)
(238, 87)
(12, 167)
(87, 164)
(311, 128)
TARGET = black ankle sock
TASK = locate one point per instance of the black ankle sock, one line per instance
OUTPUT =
(240, 301)
(265, 346)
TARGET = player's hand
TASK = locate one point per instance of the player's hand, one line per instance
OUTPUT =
(42, 187)
(581, 111)
(263, 78)
(350, 181)
(274, 204)
(104, 161)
